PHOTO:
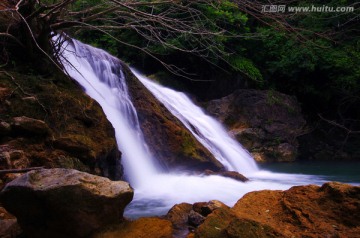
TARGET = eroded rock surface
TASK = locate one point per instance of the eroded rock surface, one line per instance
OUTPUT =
(332, 210)
(49, 121)
(147, 227)
(65, 202)
(267, 123)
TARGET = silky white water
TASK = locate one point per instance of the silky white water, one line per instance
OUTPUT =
(209, 132)
(100, 74)
(101, 77)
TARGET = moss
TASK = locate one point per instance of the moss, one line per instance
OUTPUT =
(68, 112)
(188, 146)
(68, 162)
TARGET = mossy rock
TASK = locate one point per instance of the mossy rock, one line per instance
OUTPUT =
(78, 127)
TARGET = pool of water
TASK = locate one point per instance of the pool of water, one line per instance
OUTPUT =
(165, 190)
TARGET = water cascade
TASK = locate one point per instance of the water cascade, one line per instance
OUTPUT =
(206, 129)
(101, 76)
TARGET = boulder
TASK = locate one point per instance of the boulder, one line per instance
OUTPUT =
(332, 210)
(168, 139)
(265, 122)
(65, 202)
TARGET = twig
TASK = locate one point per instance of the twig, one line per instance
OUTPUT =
(12, 171)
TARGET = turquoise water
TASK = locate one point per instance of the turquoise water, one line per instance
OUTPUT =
(345, 172)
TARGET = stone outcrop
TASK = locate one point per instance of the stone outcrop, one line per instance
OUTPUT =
(168, 139)
(332, 210)
(48, 121)
(65, 202)
(267, 123)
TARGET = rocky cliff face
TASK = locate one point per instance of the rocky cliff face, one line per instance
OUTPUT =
(169, 141)
(267, 123)
(48, 121)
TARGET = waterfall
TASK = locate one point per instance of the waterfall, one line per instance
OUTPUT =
(209, 132)
(100, 74)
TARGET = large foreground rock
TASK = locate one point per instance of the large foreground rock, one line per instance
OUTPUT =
(267, 123)
(332, 210)
(65, 202)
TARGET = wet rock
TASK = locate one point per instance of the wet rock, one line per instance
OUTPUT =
(195, 219)
(30, 126)
(228, 174)
(206, 208)
(267, 123)
(178, 215)
(148, 227)
(65, 202)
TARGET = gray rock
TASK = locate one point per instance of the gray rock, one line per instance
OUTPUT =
(267, 123)
(65, 202)
(195, 218)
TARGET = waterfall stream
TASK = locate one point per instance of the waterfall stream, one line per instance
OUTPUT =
(101, 76)
(206, 129)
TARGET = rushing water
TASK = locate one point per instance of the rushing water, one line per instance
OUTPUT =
(101, 77)
(206, 129)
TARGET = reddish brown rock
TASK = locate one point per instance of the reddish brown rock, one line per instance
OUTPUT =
(149, 227)
(178, 215)
(332, 210)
